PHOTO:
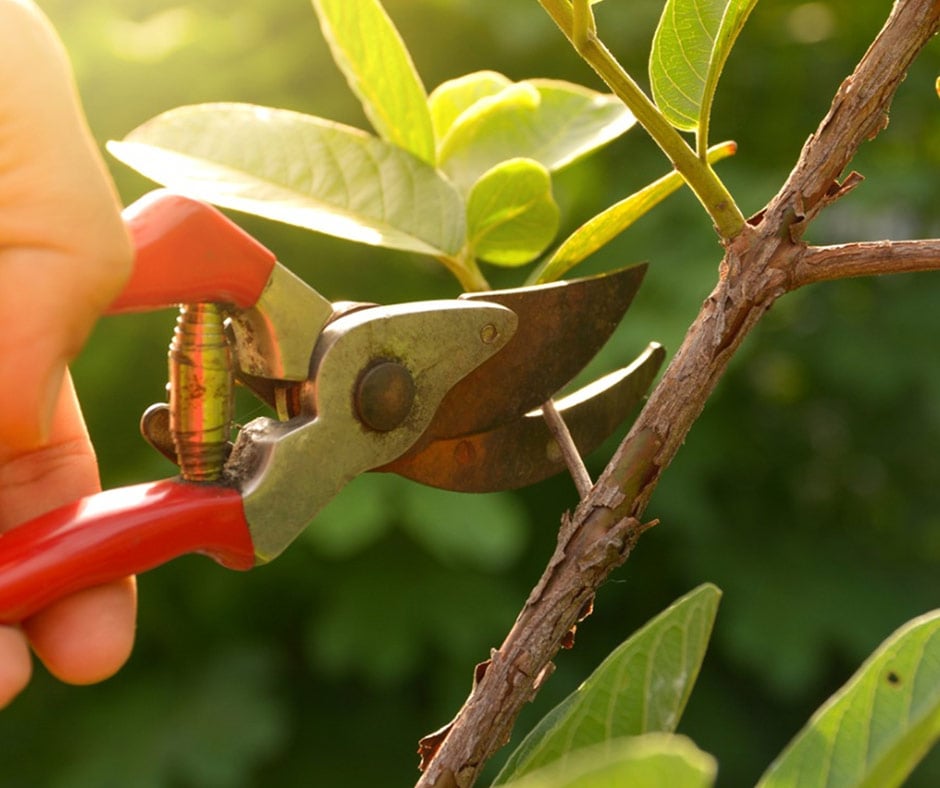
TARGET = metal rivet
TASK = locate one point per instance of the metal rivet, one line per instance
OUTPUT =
(489, 334)
(385, 394)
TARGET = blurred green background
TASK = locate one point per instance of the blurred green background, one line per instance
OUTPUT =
(809, 490)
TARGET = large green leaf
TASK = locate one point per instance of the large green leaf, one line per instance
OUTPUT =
(370, 52)
(301, 170)
(449, 99)
(875, 729)
(690, 47)
(511, 214)
(551, 121)
(600, 230)
(655, 760)
(641, 687)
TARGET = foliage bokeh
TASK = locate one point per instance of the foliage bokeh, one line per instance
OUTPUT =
(807, 491)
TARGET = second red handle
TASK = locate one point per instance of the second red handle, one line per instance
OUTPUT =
(114, 534)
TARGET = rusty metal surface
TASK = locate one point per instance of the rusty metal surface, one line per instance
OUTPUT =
(522, 451)
(485, 433)
(561, 328)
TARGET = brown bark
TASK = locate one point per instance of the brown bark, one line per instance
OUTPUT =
(765, 261)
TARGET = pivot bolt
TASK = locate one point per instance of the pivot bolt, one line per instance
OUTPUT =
(385, 394)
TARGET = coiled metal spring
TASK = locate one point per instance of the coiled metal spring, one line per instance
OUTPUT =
(201, 385)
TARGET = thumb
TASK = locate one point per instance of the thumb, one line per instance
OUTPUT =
(64, 251)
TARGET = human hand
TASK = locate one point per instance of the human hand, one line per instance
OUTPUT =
(64, 255)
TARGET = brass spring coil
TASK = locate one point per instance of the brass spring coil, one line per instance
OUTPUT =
(201, 385)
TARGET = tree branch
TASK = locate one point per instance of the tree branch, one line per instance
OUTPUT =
(760, 264)
(825, 263)
(858, 113)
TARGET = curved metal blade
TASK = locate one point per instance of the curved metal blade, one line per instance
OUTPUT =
(561, 327)
(523, 451)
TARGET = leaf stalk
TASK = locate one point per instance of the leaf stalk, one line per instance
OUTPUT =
(705, 184)
(465, 269)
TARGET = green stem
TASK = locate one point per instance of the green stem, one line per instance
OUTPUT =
(701, 136)
(583, 25)
(466, 271)
(711, 192)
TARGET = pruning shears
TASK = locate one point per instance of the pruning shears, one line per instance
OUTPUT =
(442, 392)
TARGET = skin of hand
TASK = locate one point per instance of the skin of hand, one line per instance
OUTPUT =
(64, 256)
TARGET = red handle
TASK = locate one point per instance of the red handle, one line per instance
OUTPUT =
(113, 534)
(187, 252)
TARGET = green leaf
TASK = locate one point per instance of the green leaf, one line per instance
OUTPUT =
(600, 230)
(449, 99)
(690, 47)
(511, 214)
(875, 729)
(551, 121)
(300, 170)
(641, 687)
(651, 761)
(371, 54)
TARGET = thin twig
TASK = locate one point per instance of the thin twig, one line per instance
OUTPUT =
(825, 263)
(561, 434)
